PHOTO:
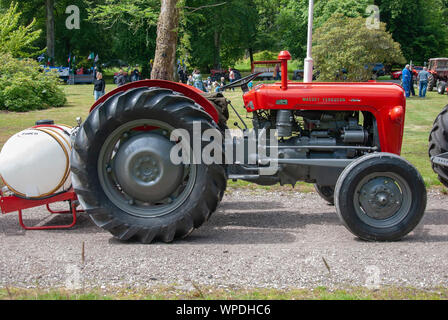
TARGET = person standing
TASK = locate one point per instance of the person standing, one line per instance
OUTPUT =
(190, 81)
(121, 79)
(423, 82)
(277, 72)
(231, 77)
(406, 79)
(223, 83)
(99, 86)
(197, 80)
(135, 75)
(411, 86)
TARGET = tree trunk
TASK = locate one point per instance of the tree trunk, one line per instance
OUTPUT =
(167, 27)
(217, 52)
(251, 56)
(50, 29)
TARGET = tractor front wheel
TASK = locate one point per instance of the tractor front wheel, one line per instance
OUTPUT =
(123, 173)
(380, 197)
(441, 87)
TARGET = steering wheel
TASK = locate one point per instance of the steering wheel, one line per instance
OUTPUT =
(243, 82)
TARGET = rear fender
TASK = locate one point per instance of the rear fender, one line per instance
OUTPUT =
(188, 91)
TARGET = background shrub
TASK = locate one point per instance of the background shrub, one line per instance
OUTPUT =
(24, 86)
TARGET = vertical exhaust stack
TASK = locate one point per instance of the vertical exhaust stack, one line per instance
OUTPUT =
(308, 66)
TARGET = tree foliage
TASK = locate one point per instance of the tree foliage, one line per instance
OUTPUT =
(16, 39)
(216, 33)
(420, 26)
(219, 35)
(343, 42)
(292, 20)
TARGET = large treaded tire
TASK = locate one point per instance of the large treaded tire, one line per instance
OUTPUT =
(350, 189)
(431, 82)
(143, 103)
(441, 87)
(438, 143)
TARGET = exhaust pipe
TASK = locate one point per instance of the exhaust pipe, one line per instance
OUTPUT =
(308, 65)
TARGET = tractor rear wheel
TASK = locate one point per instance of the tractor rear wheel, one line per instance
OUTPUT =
(438, 143)
(123, 174)
(325, 192)
(380, 197)
(431, 82)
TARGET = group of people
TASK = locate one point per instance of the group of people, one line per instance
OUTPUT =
(407, 77)
(208, 85)
(195, 80)
(120, 79)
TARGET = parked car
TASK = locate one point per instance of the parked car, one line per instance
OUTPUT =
(415, 70)
(378, 70)
(269, 75)
(299, 74)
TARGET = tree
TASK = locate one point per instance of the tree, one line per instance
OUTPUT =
(292, 20)
(167, 28)
(131, 28)
(49, 5)
(220, 32)
(420, 26)
(347, 43)
(15, 39)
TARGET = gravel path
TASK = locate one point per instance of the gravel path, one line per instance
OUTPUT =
(255, 239)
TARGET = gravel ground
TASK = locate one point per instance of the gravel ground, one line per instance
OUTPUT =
(255, 239)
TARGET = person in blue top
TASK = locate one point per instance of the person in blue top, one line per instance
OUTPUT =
(197, 80)
(406, 79)
(423, 82)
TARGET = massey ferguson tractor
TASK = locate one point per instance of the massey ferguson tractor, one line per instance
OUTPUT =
(121, 165)
(343, 137)
(438, 74)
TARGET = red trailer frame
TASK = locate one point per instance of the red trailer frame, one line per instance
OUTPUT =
(13, 203)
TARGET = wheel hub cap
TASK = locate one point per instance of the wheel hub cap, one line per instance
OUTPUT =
(380, 198)
(144, 170)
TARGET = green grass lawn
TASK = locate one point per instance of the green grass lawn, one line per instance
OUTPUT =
(420, 114)
(210, 293)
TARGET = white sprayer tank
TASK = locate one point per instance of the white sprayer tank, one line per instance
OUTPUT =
(35, 162)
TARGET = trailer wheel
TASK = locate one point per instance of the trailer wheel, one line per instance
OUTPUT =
(123, 174)
(380, 197)
(325, 192)
(438, 143)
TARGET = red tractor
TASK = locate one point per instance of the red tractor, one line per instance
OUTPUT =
(438, 78)
(345, 138)
(152, 159)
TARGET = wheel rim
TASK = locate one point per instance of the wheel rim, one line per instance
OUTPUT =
(382, 200)
(135, 171)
